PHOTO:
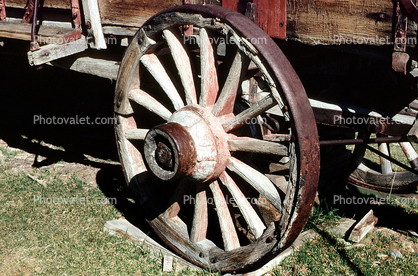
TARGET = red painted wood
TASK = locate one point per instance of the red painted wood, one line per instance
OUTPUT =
(270, 15)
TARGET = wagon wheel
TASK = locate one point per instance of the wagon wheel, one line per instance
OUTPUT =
(218, 188)
(386, 167)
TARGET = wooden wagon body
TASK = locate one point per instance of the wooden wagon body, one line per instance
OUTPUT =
(310, 22)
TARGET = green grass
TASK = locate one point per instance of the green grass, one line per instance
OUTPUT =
(38, 237)
(395, 151)
(329, 255)
(8, 154)
(323, 216)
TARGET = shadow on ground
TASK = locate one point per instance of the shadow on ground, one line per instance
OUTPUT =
(31, 97)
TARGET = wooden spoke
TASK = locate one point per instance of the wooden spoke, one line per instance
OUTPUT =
(229, 234)
(135, 163)
(182, 61)
(255, 110)
(136, 134)
(278, 137)
(226, 100)
(200, 218)
(156, 69)
(177, 199)
(209, 77)
(144, 99)
(259, 181)
(257, 146)
(410, 153)
(385, 164)
(255, 224)
(393, 160)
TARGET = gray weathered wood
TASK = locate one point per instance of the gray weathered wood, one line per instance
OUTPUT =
(255, 224)
(229, 234)
(144, 99)
(182, 61)
(99, 67)
(46, 34)
(200, 217)
(156, 69)
(54, 51)
(257, 146)
(92, 15)
(136, 134)
(259, 181)
(364, 226)
(209, 77)
(413, 132)
(225, 102)
(385, 164)
(167, 263)
(255, 110)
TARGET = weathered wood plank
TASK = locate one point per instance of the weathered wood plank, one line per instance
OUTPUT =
(132, 12)
(98, 67)
(46, 34)
(52, 52)
(257, 146)
(92, 15)
(340, 21)
(364, 226)
(58, 4)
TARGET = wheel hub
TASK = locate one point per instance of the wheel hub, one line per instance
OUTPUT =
(191, 144)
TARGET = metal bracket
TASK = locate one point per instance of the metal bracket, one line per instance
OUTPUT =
(2, 10)
(400, 57)
(27, 17)
(76, 14)
(251, 11)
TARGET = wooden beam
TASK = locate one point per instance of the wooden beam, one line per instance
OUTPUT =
(341, 22)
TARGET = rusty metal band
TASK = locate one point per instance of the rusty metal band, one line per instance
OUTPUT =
(27, 17)
(76, 14)
(296, 98)
(362, 141)
(400, 57)
(34, 45)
